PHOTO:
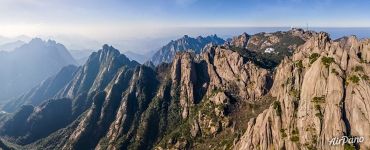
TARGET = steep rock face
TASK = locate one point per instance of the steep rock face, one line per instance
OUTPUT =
(242, 78)
(205, 101)
(142, 108)
(322, 94)
(104, 109)
(99, 69)
(70, 99)
(184, 75)
(132, 115)
(186, 43)
(241, 40)
(210, 84)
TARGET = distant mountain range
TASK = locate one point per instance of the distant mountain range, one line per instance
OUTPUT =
(11, 45)
(29, 64)
(81, 56)
(186, 43)
(267, 47)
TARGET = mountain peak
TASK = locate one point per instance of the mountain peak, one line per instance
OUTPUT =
(40, 42)
(186, 43)
(108, 53)
(199, 37)
(245, 34)
(36, 41)
(36, 61)
(106, 46)
(109, 50)
(51, 42)
(241, 40)
(214, 36)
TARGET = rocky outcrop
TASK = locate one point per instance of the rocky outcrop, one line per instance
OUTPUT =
(209, 84)
(115, 104)
(241, 40)
(206, 101)
(184, 75)
(230, 71)
(319, 98)
(167, 53)
(69, 99)
(99, 69)
(270, 48)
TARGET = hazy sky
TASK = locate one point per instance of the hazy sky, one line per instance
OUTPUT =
(104, 20)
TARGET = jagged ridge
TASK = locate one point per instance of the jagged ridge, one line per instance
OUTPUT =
(204, 101)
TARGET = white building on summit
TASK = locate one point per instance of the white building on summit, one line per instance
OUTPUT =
(269, 50)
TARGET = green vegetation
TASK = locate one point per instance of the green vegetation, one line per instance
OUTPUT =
(314, 138)
(227, 142)
(349, 147)
(295, 107)
(365, 77)
(327, 61)
(236, 49)
(358, 68)
(362, 61)
(317, 107)
(334, 71)
(294, 138)
(283, 47)
(277, 107)
(313, 57)
(295, 132)
(354, 79)
(319, 113)
(215, 91)
(311, 147)
(264, 60)
(318, 99)
(298, 64)
(283, 134)
(294, 93)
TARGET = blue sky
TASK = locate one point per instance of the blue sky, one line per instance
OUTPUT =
(189, 12)
(115, 19)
